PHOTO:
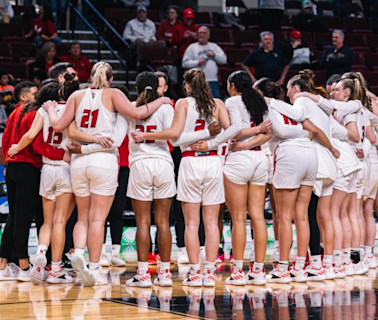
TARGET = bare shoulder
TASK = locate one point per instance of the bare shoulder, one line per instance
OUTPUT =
(181, 103)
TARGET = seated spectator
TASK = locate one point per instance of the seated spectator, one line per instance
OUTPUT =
(136, 3)
(307, 19)
(205, 55)
(81, 64)
(6, 11)
(268, 61)
(186, 31)
(141, 32)
(58, 70)
(167, 31)
(47, 58)
(39, 76)
(6, 90)
(3, 114)
(339, 58)
(44, 29)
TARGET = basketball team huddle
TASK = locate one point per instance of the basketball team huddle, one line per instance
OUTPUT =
(317, 155)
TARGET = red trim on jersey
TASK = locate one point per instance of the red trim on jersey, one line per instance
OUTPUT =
(198, 154)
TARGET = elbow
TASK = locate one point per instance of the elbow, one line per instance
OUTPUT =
(30, 136)
(174, 136)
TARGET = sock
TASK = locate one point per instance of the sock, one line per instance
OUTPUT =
(283, 265)
(258, 267)
(346, 255)
(142, 267)
(103, 250)
(182, 250)
(316, 261)
(41, 249)
(79, 252)
(300, 301)
(362, 252)
(209, 265)
(368, 250)
(327, 260)
(55, 266)
(300, 263)
(94, 265)
(195, 267)
(202, 248)
(355, 255)
(253, 245)
(337, 257)
(277, 244)
(238, 264)
(165, 266)
(116, 249)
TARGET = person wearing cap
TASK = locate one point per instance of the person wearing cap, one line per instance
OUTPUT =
(167, 31)
(205, 55)
(267, 60)
(186, 31)
(307, 20)
(141, 33)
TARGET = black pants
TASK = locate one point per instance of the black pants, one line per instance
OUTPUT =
(271, 19)
(24, 203)
(118, 206)
(314, 228)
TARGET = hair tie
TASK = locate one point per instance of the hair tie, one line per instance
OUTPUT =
(148, 88)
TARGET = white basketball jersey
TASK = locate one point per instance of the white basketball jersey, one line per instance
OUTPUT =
(58, 140)
(161, 119)
(193, 121)
(92, 117)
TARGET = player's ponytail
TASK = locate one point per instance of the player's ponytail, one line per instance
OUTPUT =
(357, 85)
(270, 89)
(101, 74)
(146, 86)
(68, 86)
(253, 101)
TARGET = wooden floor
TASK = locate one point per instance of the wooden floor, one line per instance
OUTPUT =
(350, 298)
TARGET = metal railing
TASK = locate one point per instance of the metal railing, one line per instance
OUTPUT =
(100, 39)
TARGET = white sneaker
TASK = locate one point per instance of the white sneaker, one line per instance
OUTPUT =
(329, 273)
(237, 277)
(315, 274)
(359, 268)
(141, 280)
(24, 276)
(349, 270)
(100, 279)
(183, 256)
(60, 276)
(209, 278)
(279, 276)
(164, 278)
(9, 273)
(194, 279)
(105, 260)
(276, 255)
(37, 272)
(85, 276)
(202, 256)
(298, 275)
(256, 278)
(117, 261)
(371, 261)
(339, 272)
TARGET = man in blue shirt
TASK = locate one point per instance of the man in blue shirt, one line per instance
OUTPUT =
(268, 61)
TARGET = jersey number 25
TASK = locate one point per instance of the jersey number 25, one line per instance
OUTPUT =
(140, 128)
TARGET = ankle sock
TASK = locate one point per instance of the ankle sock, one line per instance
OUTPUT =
(165, 266)
(283, 265)
(316, 261)
(209, 265)
(368, 250)
(238, 264)
(346, 255)
(337, 257)
(300, 263)
(79, 252)
(258, 267)
(94, 265)
(116, 249)
(195, 267)
(41, 249)
(327, 260)
(142, 267)
(55, 266)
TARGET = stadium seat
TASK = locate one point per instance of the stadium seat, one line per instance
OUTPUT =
(18, 70)
(371, 40)
(279, 35)
(245, 38)
(222, 37)
(358, 62)
(293, 7)
(357, 25)
(325, 8)
(250, 20)
(323, 39)
(331, 22)
(203, 19)
(320, 77)
(11, 30)
(22, 50)
(306, 38)
(115, 15)
(4, 50)
(235, 57)
(372, 80)
(26, 9)
(152, 14)
(356, 42)
(156, 57)
(61, 49)
(371, 60)
(286, 23)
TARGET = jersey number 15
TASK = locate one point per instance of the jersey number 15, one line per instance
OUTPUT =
(54, 137)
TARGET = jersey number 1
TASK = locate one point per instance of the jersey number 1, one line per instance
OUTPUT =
(54, 137)
(85, 118)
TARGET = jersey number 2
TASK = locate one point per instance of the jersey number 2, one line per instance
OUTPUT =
(140, 128)
(54, 137)
(200, 125)
(87, 114)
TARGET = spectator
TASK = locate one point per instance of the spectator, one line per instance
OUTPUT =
(39, 76)
(268, 61)
(186, 31)
(205, 55)
(307, 20)
(339, 58)
(57, 71)
(3, 114)
(44, 29)
(47, 58)
(141, 33)
(136, 3)
(82, 65)
(6, 11)
(6, 90)
(271, 14)
(167, 31)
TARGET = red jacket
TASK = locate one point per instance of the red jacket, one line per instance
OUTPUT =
(82, 66)
(13, 135)
(167, 31)
(180, 40)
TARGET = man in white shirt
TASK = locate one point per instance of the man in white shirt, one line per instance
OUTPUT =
(206, 55)
(141, 32)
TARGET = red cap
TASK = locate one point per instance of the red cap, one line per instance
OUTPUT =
(188, 13)
(296, 34)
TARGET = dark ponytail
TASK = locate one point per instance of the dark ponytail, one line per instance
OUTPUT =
(68, 86)
(253, 101)
(270, 89)
(146, 85)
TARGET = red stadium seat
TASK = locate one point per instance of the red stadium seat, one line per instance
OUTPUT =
(4, 50)
(371, 60)
(357, 25)
(245, 38)
(18, 70)
(371, 40)
(320, 77)
(279, 35)
(156, 57)
(372, 80)
(235, 57)
(323, 39)
(356, 42)
(306, 38)
(286, 22)
(11, 30)
(23, 50)
(114, 15)
(203, 19)
(250, 19)
(221, 36)
(325, 7)
(332, 22)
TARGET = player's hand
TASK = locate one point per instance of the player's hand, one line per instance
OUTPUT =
(200, 146)
(360, 153)
(265, 126)
(13, 150)
(335, 153)
(138, 136)
(238, 146)
(49, 105)
(106, 142)
(74, 147)
(67, 157)
(214, 128)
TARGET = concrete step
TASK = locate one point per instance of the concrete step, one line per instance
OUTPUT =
(78, 35)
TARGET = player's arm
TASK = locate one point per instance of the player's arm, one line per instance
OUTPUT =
(370, 135)
(263, 127)
(353, 133)
(257, 141)
(29, 136)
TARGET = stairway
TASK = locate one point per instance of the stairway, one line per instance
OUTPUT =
(88, 42)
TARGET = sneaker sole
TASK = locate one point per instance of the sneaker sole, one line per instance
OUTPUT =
(279, 280)
(139, 285)
(208, 285)
(56, 281)
(162, 284)
(192, 284)
(37, 276)
(299, 280)
(316, 278)
(257, 282)
(8, 279)
(86, 278)
(340, 276)
(233, 282)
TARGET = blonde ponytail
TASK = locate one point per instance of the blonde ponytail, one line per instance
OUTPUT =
(101, 73)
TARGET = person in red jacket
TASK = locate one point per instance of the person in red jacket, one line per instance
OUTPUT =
(23, 178)
(81, 64)
(186, 31)
(167, 31)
